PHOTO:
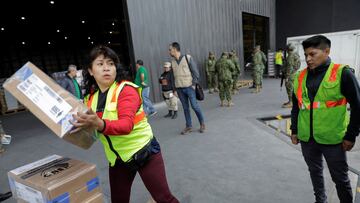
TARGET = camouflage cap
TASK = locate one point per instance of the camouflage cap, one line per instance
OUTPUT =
(211, 53)
(291, 47)
(167, 65)
(225, 53)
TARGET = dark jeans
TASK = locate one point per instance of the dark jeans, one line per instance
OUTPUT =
(152, 174)
(147, 104)
(278, 70)
(185, 95)
(336, 160)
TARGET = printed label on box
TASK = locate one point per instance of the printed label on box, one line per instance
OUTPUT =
(45, 98)
(29, 194)
(35, 164)
(66, 126)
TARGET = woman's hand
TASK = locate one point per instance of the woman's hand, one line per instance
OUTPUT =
(87, 120)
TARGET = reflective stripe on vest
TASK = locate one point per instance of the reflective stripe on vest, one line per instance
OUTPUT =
(138, 117)
(121, 146)
(327, 113)
(316, 104)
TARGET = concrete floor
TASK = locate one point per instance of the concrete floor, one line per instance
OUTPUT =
(238, 159)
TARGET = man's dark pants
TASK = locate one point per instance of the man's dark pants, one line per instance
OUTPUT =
(336, 160)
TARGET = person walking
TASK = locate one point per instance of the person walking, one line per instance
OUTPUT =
(186, 75)
(142, 80)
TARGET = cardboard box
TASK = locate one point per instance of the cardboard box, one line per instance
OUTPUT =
(56, 179)
(49, 102)
(97, 198)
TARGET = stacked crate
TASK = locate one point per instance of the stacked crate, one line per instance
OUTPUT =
(8, 103)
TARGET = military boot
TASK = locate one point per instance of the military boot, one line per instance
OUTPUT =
(230, 103)
(169, 114)
(222, 103)
(174, 116)
(257, 90)
(216, 90)
(211, 91)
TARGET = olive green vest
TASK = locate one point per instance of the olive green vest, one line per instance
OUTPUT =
(121, 146)
(330, 117)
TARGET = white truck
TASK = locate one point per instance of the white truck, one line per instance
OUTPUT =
(345, 48)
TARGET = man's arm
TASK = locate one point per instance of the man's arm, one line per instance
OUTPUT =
(351, 90)
(194, 70)
(142, 77)
(65, 84)
(172, 81)
(206, 67)
(294, 120)
(294, 115)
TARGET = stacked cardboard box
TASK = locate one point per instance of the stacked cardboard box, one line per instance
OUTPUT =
(8, 103)
(56, 179)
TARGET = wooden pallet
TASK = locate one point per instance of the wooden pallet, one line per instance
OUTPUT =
(244, 83)
(13, 111)
(4, 108)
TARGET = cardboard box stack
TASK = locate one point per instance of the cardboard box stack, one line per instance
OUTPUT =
(56, 179)
(49, 102)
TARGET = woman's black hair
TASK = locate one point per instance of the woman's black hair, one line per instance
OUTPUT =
(89, 81)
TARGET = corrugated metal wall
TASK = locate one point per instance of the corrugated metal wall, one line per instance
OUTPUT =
(198, 25)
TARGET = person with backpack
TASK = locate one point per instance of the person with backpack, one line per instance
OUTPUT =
(291, 67)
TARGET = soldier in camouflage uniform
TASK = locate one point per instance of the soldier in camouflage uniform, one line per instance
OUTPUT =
(211, 73)
(259, 59)
(292, 65)
(237, 72)
(224, 68)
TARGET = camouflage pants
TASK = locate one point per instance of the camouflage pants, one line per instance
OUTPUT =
(258, 75)
(225, 88)
(235, 79)
(171, 100)
(289, 84)
(212, 80)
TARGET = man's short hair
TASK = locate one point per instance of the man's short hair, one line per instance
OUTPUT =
(70, 67)
(140, 62)
(317, 41)
(176, 46)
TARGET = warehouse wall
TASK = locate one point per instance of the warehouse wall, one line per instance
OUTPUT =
(296, 18)
(198, 25)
